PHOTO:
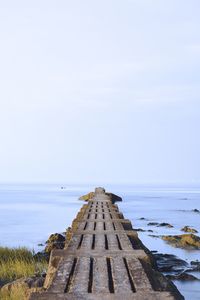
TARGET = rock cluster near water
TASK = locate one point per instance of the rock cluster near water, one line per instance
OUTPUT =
(160, 224)
(175, 268)
(183, 240)
(189, 229)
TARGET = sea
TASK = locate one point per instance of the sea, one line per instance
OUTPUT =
(29, 213)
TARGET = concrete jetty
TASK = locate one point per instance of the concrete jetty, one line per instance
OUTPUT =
(104, 259)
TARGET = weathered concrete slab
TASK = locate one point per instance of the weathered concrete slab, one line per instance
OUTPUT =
(104, 259)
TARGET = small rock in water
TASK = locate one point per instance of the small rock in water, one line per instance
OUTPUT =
(165, 225)
(188, 229)
(142, 230)
(196, 210)
(160, 224)
(153, 223)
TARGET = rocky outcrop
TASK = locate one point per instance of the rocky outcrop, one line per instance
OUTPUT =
(189, 229)
(55, 241)
(183, 241)
(21, 288)
(87, 197)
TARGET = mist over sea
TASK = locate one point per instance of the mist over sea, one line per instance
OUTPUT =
(30, 213)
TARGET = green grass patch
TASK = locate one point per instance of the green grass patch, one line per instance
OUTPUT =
(19, 262)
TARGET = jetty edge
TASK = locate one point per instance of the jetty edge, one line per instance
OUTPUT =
(104, 259)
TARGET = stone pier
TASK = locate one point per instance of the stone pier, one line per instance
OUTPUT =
(104, 259)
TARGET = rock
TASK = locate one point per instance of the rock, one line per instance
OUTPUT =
(87, 196)
(196, 210)
(165, 225)
(153, 223)
(23, 286)
(40, 256)
(160, 224)
(188, 229)
(114, 198)
(154, 235)
(170, 263)
(183, 241)
(55, 241)
(183, 277)
(195, 265)
(142, 230)
(143, 219)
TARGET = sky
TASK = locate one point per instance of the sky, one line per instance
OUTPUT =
(100, 91)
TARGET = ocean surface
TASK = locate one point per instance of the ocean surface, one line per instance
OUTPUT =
(30, 213)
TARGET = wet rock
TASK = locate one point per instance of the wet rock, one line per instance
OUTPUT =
(183, 241)
(160, 224)
(183, 277)
(114, 198)
(170, 263)
(189, 229)
(55, 241)
(142, 219)
(165, 225)
(195, 265)
(142, 230)
(153, 224)
(154, 235)
(196, 210)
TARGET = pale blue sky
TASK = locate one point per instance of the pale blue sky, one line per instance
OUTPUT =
(100, 91)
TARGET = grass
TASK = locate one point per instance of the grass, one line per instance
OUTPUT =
(18, 263)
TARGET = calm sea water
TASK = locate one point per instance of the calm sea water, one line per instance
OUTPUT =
(30, 213)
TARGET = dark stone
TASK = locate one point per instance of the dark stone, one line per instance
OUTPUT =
(170, 263)
(183, 277)
(189, 229)
(165, 225)
(153, 223)
(55, 241)
(196, 210)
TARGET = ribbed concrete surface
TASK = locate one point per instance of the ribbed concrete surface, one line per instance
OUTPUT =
(104, 259)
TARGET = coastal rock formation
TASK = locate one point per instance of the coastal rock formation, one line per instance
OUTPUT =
(183, 241)
(170, 263)
(22, 287)
(55, 241)
(87, 197)
(160, 224)
(189, 229)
